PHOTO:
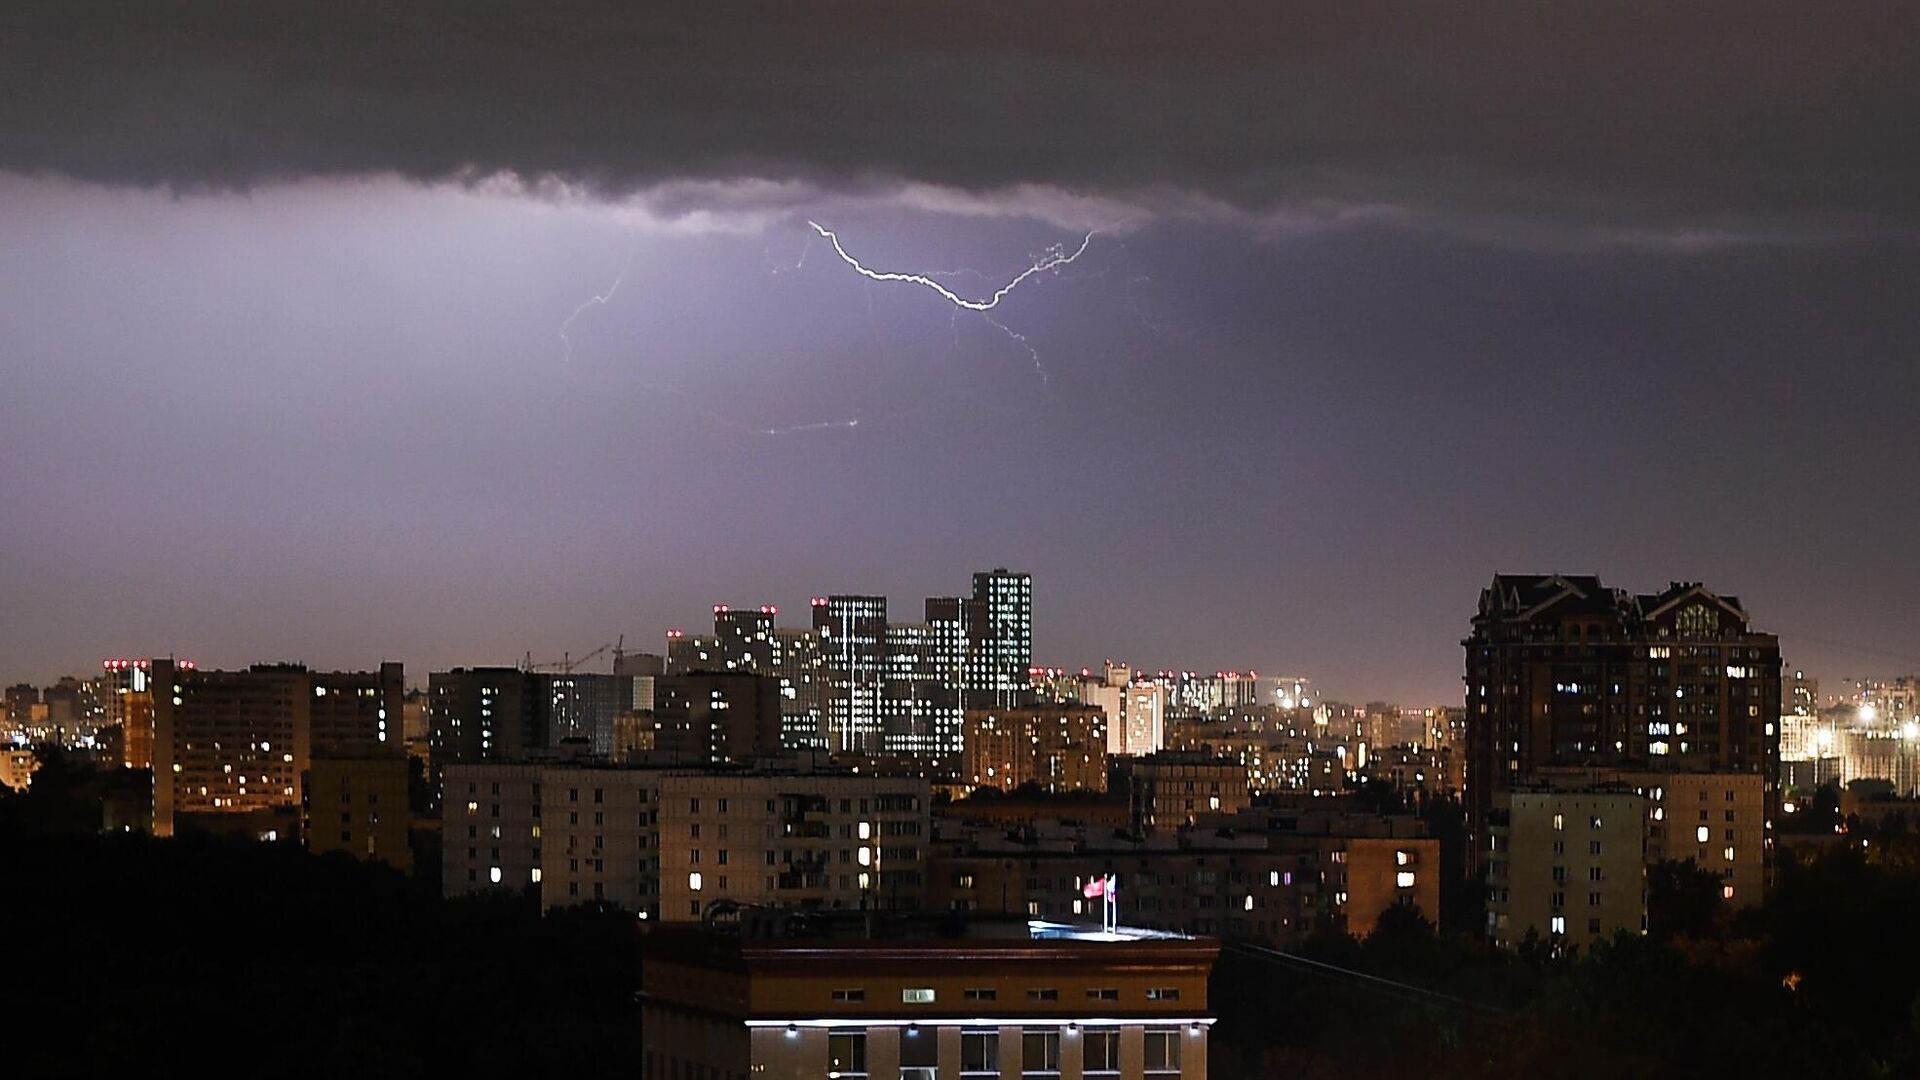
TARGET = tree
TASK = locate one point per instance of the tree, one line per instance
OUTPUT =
(1683, 900)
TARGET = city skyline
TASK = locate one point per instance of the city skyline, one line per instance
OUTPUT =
(561, 351)
(1878, 663)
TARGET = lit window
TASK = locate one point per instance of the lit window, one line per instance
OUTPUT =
(1404, 879)
(917, 995)
(1702, 834)
(847, 1055)
(693, 881)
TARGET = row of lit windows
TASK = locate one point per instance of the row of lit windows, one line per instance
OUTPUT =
(926, 995)
(1040, 1052)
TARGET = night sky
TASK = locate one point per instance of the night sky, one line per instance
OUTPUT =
(448, 331)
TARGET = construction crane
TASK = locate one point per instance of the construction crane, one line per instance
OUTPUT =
(567, 664)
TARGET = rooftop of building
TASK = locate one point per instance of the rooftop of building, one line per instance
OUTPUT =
(744, 937)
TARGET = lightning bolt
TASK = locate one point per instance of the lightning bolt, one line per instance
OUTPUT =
(1051, 260)
(597, 300)
(1056, 257)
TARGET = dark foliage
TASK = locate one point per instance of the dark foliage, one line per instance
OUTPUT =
(164, 957)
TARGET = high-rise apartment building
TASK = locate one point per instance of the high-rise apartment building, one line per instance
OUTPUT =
(926, 678)
(1562, 671)
(483, 714)
(803, 685)
(1058, 747)
(227, 744)
(1145, 719)
(357, 712)
(1108, 692)
(580, 707)
(693, 652)
(744, 639)
(1005, 653)
(717, 716)
(127, 697)
(853, 635)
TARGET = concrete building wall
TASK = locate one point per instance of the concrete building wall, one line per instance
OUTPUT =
(1569, 866)
(358, 805)
(1719, 820)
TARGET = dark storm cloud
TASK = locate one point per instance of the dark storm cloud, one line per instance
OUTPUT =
(1681, 122)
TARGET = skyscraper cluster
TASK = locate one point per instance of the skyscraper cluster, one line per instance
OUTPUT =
(857, 681)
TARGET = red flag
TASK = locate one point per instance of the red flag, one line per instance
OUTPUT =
(1095, 887)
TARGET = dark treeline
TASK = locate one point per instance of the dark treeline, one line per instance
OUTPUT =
(1823, 981)
(139, 957)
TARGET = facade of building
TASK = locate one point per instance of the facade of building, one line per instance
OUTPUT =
(127, 696)
(1563, 672)
(1566, 865)
(744, 639)
(803, 685)
(717, 716)
(1145, 721)
(1718, 820)
(580, 707)
(668, 843)
(1411, 767)
(1171, 789)
(927, 672)
(1005, 652)
(691, 652)
(1108, 692)
(358, 711)
(227, 744)
(483, 714)
(358, 805)
(1019, 1002)
(852, 631)
(1276, 879)
(1058, 747)
(17, 766)
(1280, 750)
